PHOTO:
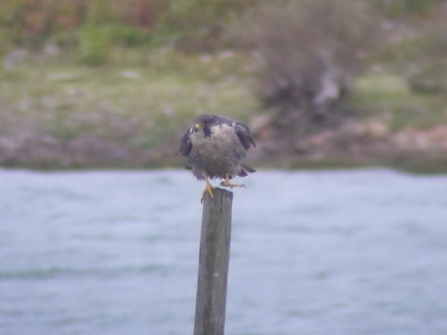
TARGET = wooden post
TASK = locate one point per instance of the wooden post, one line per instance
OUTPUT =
(214, 259)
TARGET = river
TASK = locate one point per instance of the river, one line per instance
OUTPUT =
(312, 252)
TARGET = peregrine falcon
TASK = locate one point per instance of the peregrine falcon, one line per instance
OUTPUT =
(214, 147)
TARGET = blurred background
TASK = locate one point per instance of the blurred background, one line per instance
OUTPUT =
(100, 224)
(96, 83)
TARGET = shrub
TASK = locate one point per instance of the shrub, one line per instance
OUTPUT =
(418, 52)
(30, 23)
(197, 25)
(309, 50)
(426, 67)
(191, 24)
(401, 7)
(33, 23)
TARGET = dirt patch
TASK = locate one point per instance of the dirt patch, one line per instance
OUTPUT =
(47, 152)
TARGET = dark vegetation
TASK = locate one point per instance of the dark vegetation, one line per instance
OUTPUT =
(310, 52)
(114, 82)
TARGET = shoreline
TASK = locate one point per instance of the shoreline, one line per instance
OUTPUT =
(409, 150)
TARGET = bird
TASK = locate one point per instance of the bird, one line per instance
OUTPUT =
(214, 147)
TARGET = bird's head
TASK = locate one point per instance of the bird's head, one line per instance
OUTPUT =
(204, 123)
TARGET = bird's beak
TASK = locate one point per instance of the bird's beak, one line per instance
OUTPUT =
(198, 126)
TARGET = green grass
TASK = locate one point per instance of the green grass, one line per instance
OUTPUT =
(389, 98)
(142, 97)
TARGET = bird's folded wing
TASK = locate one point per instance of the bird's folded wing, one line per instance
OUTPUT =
(244, 135)
(185, 144)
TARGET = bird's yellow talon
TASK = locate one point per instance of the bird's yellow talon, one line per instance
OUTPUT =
(208, 188)
(231, 185)
(227, 183)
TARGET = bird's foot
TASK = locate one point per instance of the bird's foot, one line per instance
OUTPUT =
(228, 183)
(208, 188)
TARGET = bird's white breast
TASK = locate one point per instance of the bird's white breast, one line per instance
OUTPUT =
(219, 134)
(222, 142)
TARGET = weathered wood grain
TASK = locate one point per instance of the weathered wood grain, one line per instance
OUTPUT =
(214, 260)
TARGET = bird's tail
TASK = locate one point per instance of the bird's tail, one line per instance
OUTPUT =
(244, 170)
(247, 168)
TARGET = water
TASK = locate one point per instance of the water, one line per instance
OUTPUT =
(345, 252)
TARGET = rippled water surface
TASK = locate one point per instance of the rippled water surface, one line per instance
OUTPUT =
(328, 252)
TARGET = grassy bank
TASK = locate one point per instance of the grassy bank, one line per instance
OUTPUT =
(140, 103)
(57, 113)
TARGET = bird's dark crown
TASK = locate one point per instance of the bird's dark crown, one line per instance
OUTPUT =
(204, 122)
(206, 119)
